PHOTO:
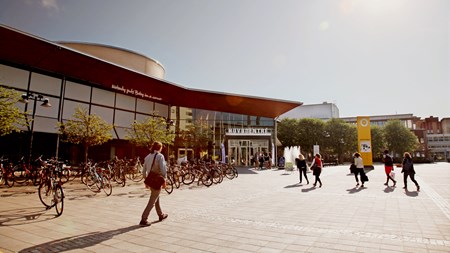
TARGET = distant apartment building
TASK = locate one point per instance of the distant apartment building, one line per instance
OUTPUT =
(433, 135)
(318, 111)
(437, 137)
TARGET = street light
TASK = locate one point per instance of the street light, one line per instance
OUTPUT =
(45, 103)
(169, 123)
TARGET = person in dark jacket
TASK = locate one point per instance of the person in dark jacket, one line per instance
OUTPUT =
(316, 165)
(408, 170)
(301, 165)
(388, 167)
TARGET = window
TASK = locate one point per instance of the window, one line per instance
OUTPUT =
(77, 91)
(144, 106)
(103, 97)
(125, 102)
(123, 118)
(51, 112)
(69, 108)
(16, 78)
(161, 110)
(105, 113)
(45, 84)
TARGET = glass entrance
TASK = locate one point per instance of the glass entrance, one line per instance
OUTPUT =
(245, 152)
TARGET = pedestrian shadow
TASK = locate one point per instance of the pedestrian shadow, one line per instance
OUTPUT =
(78, 242)
(355, 190)
(309, 189)
(22, 216)
(293, 185)
(411, 194)
(389, 189)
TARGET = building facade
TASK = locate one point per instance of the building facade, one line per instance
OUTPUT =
(318, 111)
(119, 86)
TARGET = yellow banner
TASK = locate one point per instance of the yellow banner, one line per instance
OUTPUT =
(364, 140)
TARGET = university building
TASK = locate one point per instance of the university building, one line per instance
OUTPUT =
(120, 86)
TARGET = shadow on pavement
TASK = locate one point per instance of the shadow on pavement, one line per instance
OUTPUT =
(26, 216)
(245, 170)
(293, 185)
(389, 189)
(411, 194)
(78, 242)
(355, 190)
(309, 189)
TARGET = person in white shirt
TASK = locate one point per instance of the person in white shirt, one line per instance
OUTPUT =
(359, 168)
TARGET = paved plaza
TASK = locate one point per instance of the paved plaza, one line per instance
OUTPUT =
(260, 211)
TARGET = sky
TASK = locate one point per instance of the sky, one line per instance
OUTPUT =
(369, 57)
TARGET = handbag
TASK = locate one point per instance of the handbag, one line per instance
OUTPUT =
(353, 168)
(392, 174)
(153, 179)
(364, 177)
(316, 170)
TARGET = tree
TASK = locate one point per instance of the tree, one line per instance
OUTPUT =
(287, 132)
(152, 129)
(10, 115)
(87, 130)
(378, 145)
(310, 133)
(399, 138)
(340, 139)
(197, 135)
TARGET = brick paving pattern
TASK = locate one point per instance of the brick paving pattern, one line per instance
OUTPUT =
(260, 211)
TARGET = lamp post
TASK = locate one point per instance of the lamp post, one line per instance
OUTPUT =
(169, 123)
(45, 103)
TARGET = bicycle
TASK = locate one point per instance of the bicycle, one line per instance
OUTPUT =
(50, 191)
(99, 179)
(6, 173)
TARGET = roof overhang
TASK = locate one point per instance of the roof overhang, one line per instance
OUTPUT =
(23, 49)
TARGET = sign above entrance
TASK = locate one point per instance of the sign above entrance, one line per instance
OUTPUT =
(249, 131)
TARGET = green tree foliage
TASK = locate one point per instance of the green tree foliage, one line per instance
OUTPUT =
(152, 129)
(287, 132)
(378, 145)
(87, 130)
(310, 133)
(340, 138)
(10, 115)
(304, 133)
(399, 138)
(197, 136)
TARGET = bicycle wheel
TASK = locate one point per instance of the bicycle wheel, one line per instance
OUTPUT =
(9, 179)
(20, 175)
(92, 182)
(64, 175)
(207, 180)
(45, 193)
(169, 186)
(58, 199)
(217, 176)
(106, 185)
(188, 178)
(229, 173)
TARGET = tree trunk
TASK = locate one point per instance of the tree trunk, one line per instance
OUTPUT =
(86, 150)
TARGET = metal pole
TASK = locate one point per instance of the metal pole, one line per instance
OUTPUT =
(32, 129)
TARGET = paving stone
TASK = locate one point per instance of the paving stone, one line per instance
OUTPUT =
(260, 211)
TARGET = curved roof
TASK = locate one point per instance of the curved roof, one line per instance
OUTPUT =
(24, 49)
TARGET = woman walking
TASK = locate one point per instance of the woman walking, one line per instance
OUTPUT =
(316, 166)
(154, 162)
(358, 161)
(301, 165)
(408, 170)
(388, 167)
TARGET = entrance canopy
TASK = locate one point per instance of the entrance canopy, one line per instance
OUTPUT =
(23, 49)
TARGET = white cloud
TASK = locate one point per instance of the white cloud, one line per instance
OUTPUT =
(50, 4)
